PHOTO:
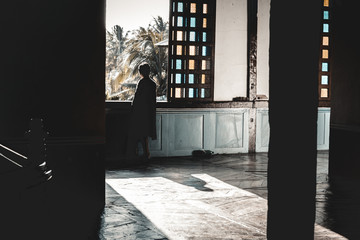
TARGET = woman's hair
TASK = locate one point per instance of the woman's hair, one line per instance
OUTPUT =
(144, 69)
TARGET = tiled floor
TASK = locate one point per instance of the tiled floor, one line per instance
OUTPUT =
(223, 197)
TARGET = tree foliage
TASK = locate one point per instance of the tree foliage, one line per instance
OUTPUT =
(125, 54)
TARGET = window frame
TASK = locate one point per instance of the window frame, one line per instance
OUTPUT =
(186, 28)
(325, 101)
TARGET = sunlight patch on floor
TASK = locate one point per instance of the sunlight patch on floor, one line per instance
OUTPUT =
(219, 211)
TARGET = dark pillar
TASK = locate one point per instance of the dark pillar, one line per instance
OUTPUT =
(294, 48)
(252, 73)
(52, 67)
(345, 98)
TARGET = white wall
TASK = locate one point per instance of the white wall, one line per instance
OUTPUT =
(230, 50)
(263, 47)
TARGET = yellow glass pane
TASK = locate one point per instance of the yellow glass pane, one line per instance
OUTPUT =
(325, 53)
(179, 50)
(205, 9)
(204, 23)
(326, 3)
(191, 64)
(192, 50)
(324, 93)
(177, 92)
(179, 36)
(203, 65)
(203, 79)
(326, 41)
(171, 92)
(193, 7)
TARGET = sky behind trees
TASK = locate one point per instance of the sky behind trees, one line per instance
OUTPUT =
(131, 14)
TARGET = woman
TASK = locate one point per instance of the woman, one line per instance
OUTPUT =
(143, 119)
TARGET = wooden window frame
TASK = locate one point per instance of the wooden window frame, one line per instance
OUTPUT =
(186, 43)
(325, 102)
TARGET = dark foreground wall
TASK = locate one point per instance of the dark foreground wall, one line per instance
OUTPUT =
(345, 97)
(294, 48)
(52, 67)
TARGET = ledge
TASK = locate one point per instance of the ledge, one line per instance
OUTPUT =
(119, 105)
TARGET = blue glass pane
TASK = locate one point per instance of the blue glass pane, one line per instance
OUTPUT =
(172, 64)
(192, 22)
(191, 78)
(324, 80)
(191, 93)
(180, 21)
(325, 28)
(178, 63)
(196, 92)
(204, 36)
(326, 15)
(324, 67)
(204, 51)
(173, 6)
(202, 93)
(180, 7)
(178, 78)
(192, 36)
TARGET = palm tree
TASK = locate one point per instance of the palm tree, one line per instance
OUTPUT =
(115, 45)
(141, 47)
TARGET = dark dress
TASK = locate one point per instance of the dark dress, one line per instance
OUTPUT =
(143, 119)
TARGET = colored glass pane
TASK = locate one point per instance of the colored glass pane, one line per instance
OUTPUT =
(192, 50)
(202, 93)
(326, 3)
(204, 51)
(204, 37)
(324, 93)
(179, 21)
(179, 35)
(180, 7)
(191, 78)
(191, 64)
(325, 27)
(204, 22)
(178, 50)
(325, 53)
(193, 7)
(192, 22)
(324, 67)
(178, 78)
(326, 15)
(178, 63)
(191, 93)
(324, 80)
(177, 92)
(326, 41)
(192, 36)
(205, 8)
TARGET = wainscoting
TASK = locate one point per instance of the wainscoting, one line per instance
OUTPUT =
(225, 130)
(180, 131)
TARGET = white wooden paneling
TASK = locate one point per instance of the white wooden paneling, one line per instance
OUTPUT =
(262, 130)
(184, 130)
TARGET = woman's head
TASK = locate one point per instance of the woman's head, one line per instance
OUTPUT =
(144, 69)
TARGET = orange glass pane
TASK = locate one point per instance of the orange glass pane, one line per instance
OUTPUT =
(193, 7)
(192, 50)
(179, 36)
(324, 93)
(203, 79)
(179, 50)
(325, 53)
(205, 8)
(191, 64)
(177, 92)
(326, 41)
(203, 65)
(326, 3)
(204, 23)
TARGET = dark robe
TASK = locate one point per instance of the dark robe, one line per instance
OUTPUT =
(143, 119)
